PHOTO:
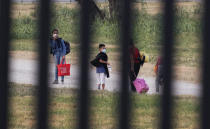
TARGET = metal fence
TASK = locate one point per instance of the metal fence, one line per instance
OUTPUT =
(61, 1)
(44, 20)
(70, 1)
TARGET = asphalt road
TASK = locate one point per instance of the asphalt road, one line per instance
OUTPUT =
(25, 72)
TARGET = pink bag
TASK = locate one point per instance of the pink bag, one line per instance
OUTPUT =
(140, 85)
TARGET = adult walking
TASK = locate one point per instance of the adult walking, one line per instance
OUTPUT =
(135, 62)
(58, 49)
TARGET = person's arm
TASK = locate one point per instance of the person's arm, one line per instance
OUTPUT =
(104, 62)
(64, 47)
(142, 60)
(52, 46)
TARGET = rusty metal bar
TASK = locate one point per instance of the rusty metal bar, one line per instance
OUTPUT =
(125, 37)
(205, 102)
(44, 24)
(4, 55)
(84, 64)
(167, 63)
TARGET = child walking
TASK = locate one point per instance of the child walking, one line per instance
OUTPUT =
(101, 62)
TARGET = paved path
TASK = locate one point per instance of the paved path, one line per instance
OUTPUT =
(25, 72)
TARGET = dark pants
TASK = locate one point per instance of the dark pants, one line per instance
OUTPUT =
(134, 75)
(160, 78)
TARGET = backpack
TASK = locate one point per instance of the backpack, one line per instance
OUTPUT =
(95, 62)
(68, 48)
(67, 45)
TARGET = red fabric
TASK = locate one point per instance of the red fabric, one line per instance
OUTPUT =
(63, 69)
(135, 53)
(159, 62)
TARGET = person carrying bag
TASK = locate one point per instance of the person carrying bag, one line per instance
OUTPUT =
(58, 50)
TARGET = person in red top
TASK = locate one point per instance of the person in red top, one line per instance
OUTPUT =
(159, 74)
(135, 63)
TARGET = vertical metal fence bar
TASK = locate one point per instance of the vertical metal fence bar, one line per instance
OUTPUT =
(84, 65)
(205, 102)
(44, 22)
(125, 54)
(168, 61)
(4, 55)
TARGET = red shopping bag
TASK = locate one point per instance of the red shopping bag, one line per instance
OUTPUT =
(63, 69)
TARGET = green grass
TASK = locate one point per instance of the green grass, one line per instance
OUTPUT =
(104, 109)
(24, 45)
(147, 31)
(31, 45)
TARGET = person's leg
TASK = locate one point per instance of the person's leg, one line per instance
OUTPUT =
(136, 68)
(131, 82)
(102, 77)
(160, 77)
(133, 87)
(98, 80)
(56, 58)
(157, 83)
(62, 77)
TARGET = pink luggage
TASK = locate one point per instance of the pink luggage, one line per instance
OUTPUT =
(140, 85)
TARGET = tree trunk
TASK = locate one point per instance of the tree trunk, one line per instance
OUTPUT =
(94, 10)
(114, 8)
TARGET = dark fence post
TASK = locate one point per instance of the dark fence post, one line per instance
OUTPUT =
(205, 102)
(167, 62)
(44, 22)
(4, 58)
(84, 65)
(124, 39)
(4, 55)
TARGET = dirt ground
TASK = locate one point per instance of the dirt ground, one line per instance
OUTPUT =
(185, 73)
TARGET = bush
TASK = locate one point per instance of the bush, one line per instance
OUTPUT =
(23, 28)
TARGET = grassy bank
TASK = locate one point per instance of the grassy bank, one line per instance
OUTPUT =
(103, 109)
(147, 30)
